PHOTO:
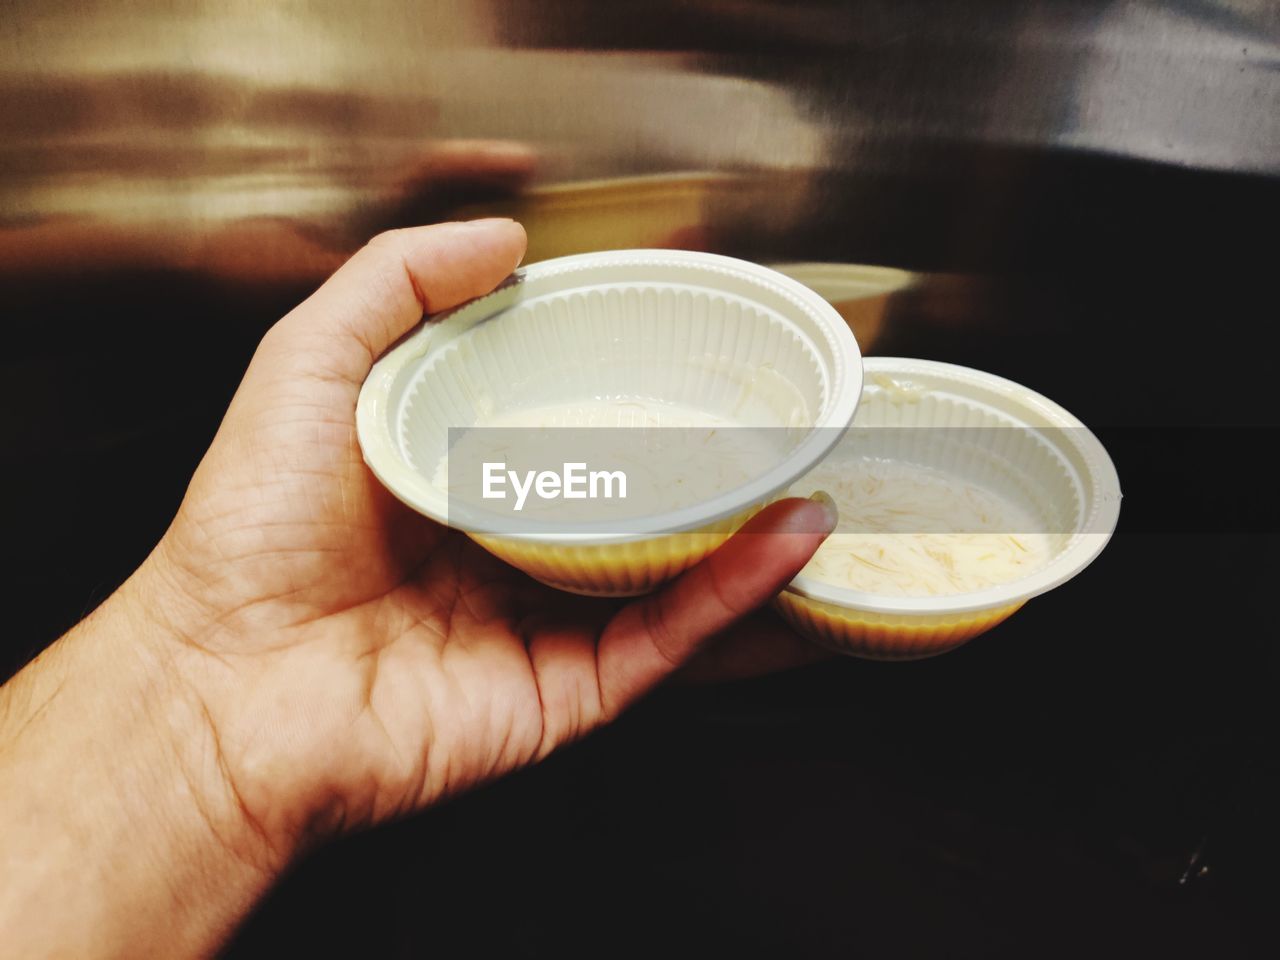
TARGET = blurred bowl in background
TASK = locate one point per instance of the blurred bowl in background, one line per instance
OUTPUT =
(859, 293)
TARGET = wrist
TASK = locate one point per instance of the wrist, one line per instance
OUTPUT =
(151, 648)
(124, 827)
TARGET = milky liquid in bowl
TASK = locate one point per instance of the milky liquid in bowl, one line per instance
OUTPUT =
(908, 530)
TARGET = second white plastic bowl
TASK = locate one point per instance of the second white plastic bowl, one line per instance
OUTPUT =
(972, 427)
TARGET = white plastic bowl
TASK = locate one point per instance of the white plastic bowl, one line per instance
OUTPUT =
(689, 328)
(979, 428)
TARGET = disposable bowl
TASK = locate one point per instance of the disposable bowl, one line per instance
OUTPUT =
(691, 330)
(983, 431)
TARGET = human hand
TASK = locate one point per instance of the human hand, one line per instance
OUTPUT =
(324, 658)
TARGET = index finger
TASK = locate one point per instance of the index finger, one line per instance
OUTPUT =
(651, 637)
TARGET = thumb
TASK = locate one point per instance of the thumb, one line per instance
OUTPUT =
(382, 292)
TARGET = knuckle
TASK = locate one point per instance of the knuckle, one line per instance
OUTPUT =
(666, 642)
(387, 239)
(722, 592)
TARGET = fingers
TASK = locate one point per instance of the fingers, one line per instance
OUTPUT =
(383, 291)
(652, 637)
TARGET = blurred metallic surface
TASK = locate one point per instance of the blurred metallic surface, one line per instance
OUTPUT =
(259, 139)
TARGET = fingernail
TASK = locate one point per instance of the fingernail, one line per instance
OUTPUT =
(485, 221)
(828, 505)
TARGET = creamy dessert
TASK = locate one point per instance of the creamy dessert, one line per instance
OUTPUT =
(908, 530)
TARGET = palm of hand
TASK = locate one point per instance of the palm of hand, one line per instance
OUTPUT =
(357, 661)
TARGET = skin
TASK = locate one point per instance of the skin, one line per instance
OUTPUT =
(301, 655)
